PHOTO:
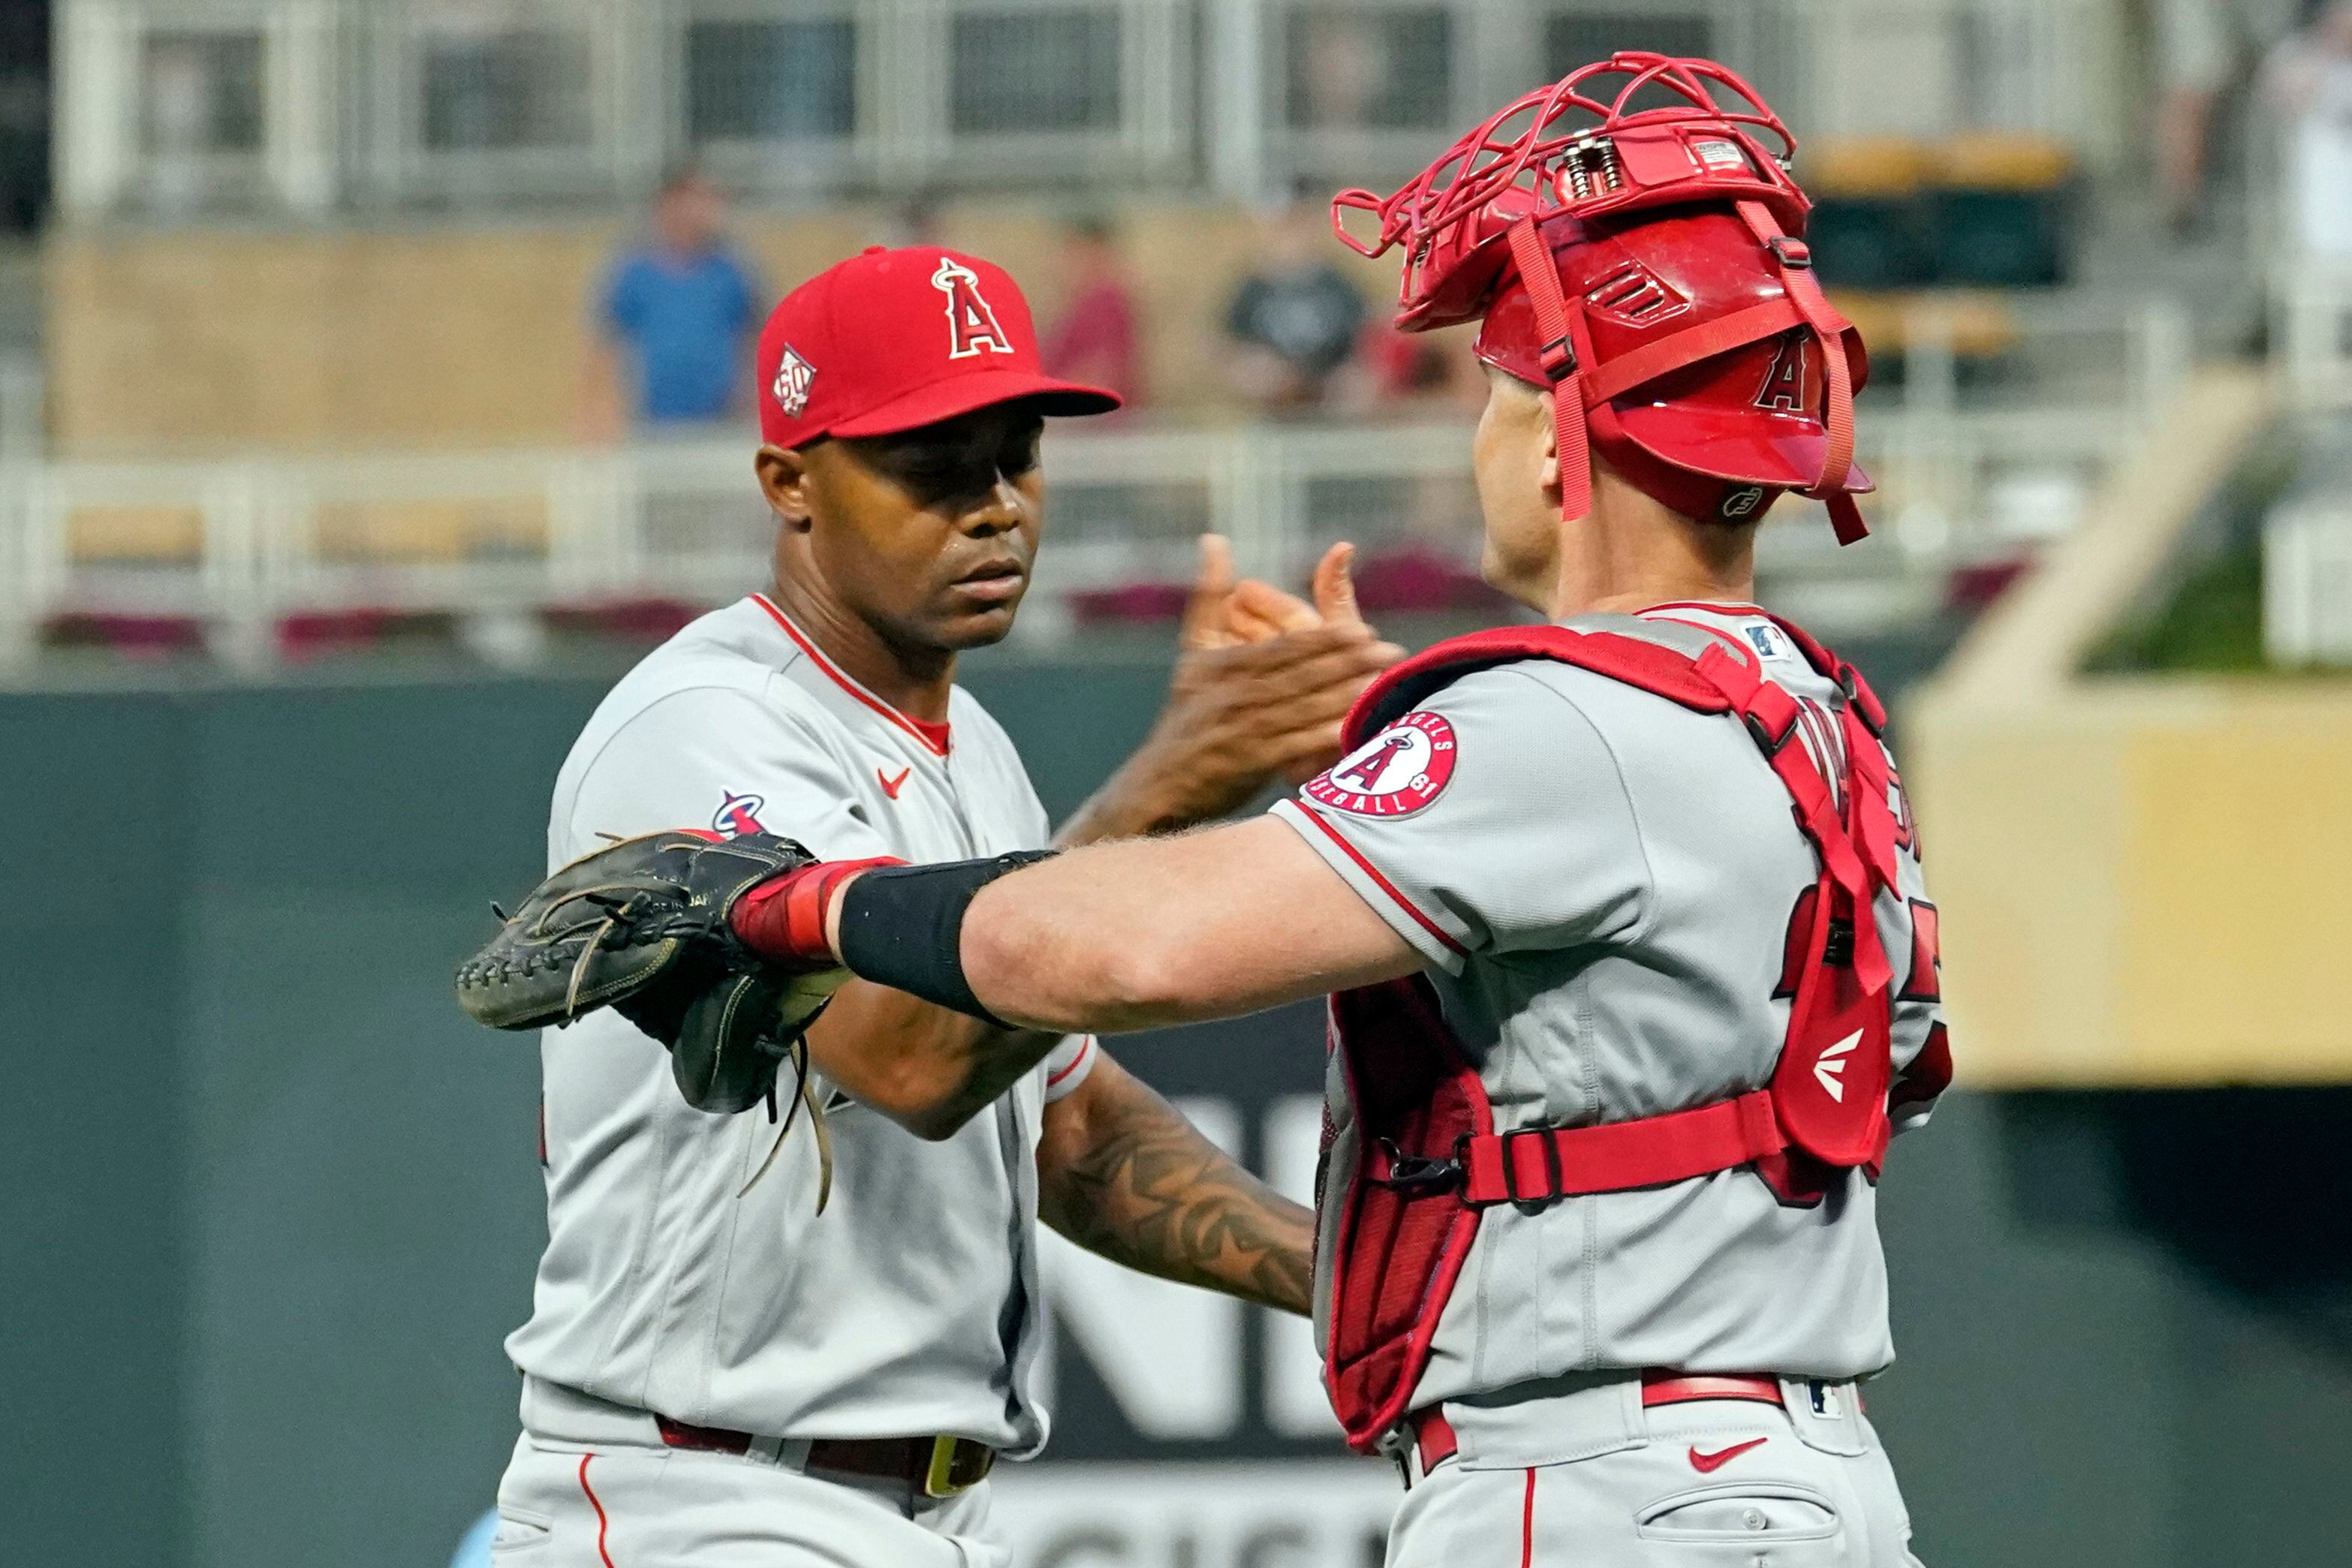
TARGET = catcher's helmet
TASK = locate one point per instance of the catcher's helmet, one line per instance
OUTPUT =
(1645, 265)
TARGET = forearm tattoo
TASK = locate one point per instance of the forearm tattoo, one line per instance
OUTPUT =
(1148, 1191)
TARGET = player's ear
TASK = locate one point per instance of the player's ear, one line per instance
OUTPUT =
(783, 479)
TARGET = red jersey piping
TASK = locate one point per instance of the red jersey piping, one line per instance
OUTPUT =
(1370, 870)
(603, 1523)
(1076, 1062)
(934, 737)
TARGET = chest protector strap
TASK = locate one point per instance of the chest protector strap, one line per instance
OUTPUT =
(1421, 1160)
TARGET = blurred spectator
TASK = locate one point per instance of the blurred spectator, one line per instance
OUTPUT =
(676, 322)
(1095, 340)
(1338, 67)
(1293, 321)
(1354, 66)
(1431, 373)
(2310, 82)
(2204, 48)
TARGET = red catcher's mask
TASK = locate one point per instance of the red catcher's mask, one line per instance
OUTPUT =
(1646, 266)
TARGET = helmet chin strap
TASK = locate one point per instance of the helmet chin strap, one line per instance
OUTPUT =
(1795, 262)
(1573, 382)
(1541, 276)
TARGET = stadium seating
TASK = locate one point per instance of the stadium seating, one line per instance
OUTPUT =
(356, 405)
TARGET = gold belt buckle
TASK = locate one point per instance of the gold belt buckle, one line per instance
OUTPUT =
(945, 1477)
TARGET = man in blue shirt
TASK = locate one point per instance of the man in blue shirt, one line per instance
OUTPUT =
(675, 322)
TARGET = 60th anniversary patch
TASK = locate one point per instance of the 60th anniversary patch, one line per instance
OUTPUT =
(1399, 770)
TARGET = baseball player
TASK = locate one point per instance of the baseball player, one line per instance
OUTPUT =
(809, 1349)
(1634, 974)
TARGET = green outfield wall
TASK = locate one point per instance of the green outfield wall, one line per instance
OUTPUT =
(268, 1203)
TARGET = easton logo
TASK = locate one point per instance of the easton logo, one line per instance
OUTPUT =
(973, 327)
(738, 815)
(1784, 384)
(1830, 1068)
(795, 375)
(1399, 770)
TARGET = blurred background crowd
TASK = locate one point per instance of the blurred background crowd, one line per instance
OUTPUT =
(269, 246)
(265, 240)
(375, 388)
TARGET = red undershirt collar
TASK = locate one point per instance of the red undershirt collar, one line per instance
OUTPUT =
(1717, 606)
(933, 736)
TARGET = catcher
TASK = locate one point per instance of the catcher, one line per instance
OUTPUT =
(1632, 971)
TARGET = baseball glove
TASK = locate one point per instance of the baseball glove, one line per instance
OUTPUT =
(641, 926)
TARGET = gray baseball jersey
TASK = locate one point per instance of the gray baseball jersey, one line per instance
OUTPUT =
(1601, 881)
(912, 1305)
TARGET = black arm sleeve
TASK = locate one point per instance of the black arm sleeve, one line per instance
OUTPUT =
(902, 926)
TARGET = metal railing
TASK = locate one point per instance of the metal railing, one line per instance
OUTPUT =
(178, 107)
(2308, 584)
(472, 102)
(2311, 331)
(1357, 91)
(1968, 470)
(22, 413)
(1932, 67)
(170, 108)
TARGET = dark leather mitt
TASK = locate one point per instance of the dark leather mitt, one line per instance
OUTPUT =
(642, 926)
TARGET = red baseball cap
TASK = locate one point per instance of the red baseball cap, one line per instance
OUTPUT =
(891, 340)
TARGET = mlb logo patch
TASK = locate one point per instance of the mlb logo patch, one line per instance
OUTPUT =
(1768, 641)
(795, 375)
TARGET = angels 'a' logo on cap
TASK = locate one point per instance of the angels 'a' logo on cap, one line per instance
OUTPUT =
(972, 321)
(1399, 770)
(794, 377)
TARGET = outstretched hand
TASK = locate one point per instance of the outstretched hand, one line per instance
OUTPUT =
(1256, 611)
(1208, 613)
(1262, 682)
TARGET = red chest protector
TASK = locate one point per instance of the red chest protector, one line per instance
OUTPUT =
(1424, 1160)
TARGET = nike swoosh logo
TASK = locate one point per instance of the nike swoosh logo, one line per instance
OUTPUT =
(1703, 1463)
(891, 787)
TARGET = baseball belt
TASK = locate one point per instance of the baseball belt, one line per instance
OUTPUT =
(1433, 1434)
(935, 1467)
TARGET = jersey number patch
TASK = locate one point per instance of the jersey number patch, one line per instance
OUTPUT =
(1397, 771)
